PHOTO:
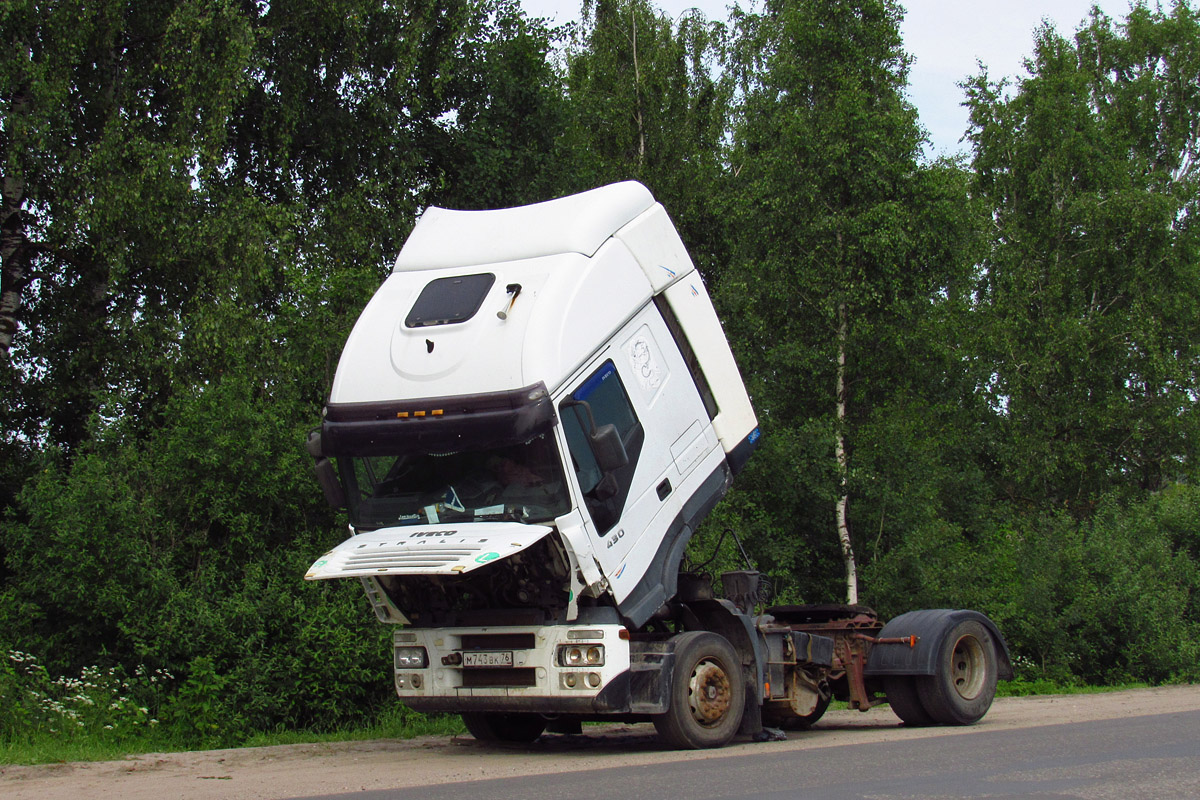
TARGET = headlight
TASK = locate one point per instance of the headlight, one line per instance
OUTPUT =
(572, 655)
(411, 658)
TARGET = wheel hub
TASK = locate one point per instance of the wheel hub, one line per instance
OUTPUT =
(709, 692)
(968, 668)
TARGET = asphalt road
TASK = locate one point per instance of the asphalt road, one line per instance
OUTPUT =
(1135, 757)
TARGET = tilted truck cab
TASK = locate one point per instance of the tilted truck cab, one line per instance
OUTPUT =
(527, 423)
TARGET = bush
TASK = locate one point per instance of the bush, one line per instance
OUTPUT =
(1107, 600)
(101, 702)
(186, 553)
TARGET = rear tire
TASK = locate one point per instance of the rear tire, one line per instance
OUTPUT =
(708, 693)
(520, 728)
(962, 689)
(903, 697)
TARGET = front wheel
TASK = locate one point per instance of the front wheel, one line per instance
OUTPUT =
(522, 728)
(960, 692)
(708, 693)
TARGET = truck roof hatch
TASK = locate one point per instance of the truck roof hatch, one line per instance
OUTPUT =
(446, 301)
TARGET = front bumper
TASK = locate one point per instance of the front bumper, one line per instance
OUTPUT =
(548, 670)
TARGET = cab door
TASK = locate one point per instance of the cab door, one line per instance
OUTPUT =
(639, 385)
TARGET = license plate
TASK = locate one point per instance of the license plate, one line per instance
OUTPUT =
(496, 659)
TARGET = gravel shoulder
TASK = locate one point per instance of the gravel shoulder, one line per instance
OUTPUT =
(267, 773)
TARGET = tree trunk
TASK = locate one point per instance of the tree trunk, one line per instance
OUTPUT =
(843, 501)
(14, 255)
(637, 89)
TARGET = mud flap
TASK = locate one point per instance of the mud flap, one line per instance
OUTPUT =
(752, 722)
(646, 687)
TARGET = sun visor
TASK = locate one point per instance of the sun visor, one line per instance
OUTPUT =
(437, 425)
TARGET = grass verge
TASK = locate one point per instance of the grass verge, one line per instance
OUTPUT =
(47, 747)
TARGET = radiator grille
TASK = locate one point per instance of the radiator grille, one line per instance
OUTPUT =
(400, 559)
(498, 641)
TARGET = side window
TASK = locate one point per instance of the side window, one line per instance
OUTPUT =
(604, 396)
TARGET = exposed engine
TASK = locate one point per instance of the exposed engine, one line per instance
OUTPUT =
(529, 587)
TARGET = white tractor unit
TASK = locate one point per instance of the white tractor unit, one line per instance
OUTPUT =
(528, 422)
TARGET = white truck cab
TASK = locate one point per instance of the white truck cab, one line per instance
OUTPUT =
(528, 421)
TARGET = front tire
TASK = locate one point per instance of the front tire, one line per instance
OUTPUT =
(961, 691)
(519, 728)
(708, 693)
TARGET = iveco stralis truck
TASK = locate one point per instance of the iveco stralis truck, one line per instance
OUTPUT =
(528, 422)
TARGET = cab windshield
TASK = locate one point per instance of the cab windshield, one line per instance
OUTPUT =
(519, 483)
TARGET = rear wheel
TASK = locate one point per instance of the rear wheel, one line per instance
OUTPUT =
(522, 728)
(962, 689)
(708, 693)
(902, 695)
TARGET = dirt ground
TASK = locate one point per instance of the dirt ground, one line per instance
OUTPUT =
(309, 769)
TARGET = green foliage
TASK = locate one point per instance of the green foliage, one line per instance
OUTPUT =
(770, 507)
(102, 703)
(1110, 600)
(189, 246)
(104, 714)
(647, 101)
(1088, 294)
(185, 552)
(502, 148)
(839, 278)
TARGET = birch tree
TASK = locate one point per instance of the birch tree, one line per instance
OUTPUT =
(648, 101)
(835, 238)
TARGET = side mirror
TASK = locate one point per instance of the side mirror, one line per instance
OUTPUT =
(608, 448)
(327, 477)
